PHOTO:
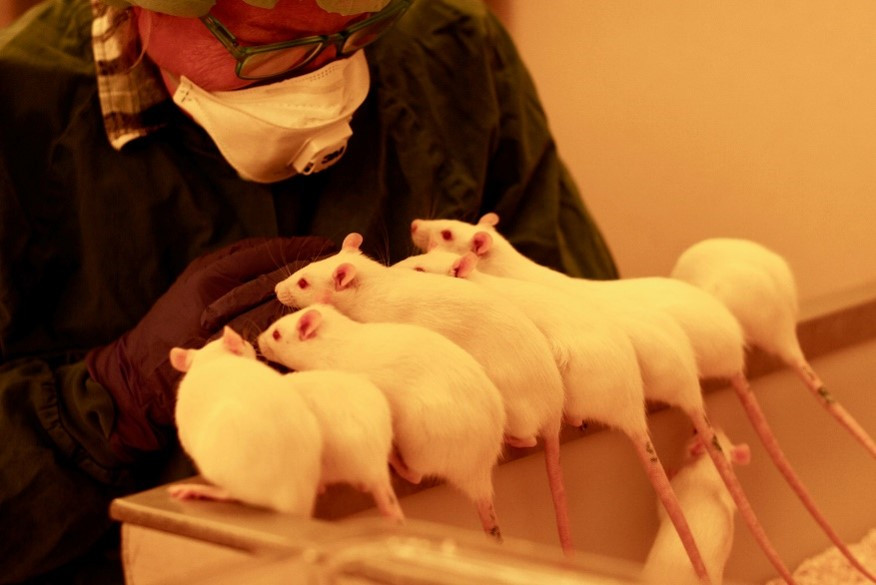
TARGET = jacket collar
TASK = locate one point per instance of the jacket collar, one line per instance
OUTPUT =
(129, 86)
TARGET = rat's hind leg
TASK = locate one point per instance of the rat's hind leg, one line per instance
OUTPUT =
(487, 514)
(387, 502)
(401, 468)
(199, 491)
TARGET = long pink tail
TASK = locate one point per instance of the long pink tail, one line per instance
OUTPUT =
(816, 386)
(657, 474)
(771, 444)
(558, 491)
(725, 470)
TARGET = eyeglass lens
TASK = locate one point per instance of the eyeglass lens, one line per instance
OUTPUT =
(269, 63)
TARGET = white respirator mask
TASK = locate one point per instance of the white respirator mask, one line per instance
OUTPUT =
(296, 126)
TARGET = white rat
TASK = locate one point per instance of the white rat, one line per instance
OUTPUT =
(710, 510)
(248, 435)
(447, 415)
(714, 334)
(356, 425)
(758, 287)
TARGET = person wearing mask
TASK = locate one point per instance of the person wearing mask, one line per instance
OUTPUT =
(163, 162)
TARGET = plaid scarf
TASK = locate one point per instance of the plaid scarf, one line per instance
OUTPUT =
(132, 94)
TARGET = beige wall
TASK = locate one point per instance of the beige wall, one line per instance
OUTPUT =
(683, 120)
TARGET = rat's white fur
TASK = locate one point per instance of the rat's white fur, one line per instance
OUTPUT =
(356, 425)
(757, 286)
(244, 429)
(596, 359)
(710, 511)
(599, 363)
(500, 337)
(447, 415)
(714, 333)
(514, 354)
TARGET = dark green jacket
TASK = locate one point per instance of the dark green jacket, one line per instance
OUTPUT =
(90, 237)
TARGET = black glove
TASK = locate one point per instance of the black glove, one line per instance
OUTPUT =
(232, 286)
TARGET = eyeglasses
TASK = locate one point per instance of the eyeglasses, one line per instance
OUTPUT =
(263, 61)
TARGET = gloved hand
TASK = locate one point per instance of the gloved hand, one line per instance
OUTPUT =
(231, 286)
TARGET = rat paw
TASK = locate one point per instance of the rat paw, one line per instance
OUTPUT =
(196, 491)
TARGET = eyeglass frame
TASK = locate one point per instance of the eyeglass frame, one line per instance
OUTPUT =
(395, 8)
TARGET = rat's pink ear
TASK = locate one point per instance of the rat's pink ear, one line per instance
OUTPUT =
(464, 265)
(352, 242)
(181, 359)
(491, 219)
(740, 454)
(232, 341)
(481, 243)
(308, 324)
(344, 275)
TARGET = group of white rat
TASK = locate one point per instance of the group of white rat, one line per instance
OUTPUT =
(432, 365)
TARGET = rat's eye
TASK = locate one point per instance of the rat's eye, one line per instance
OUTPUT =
(446, 235)
(302, 283)
(419, 269)
(276, 335)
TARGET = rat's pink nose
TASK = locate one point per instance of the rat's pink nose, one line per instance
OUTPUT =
(415, 225)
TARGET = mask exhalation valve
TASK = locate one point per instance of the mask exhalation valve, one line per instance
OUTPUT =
(323, 150)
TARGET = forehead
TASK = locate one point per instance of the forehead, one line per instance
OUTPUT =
(288, 16)
(456, 227)
(283, 324)
(447, 223)
(325, 265)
